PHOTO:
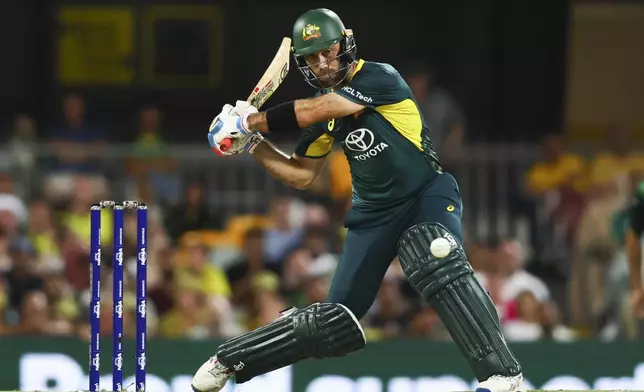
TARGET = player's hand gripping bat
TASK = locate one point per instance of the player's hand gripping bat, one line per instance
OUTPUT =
(268, 84)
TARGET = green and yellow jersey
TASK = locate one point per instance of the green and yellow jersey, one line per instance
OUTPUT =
(388, 145)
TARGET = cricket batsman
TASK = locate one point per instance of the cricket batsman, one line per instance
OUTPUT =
(403, 205)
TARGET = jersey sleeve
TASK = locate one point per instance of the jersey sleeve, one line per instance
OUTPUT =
(314, 143)
(373, 86)
(636, 213)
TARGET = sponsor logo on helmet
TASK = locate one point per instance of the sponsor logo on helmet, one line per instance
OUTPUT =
(310, 31)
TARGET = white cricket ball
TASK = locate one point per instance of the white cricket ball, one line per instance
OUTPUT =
(440, 247)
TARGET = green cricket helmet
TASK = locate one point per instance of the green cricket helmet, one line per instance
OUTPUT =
(319, 29)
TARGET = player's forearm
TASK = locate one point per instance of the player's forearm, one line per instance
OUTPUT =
(281, 166)
(257, 122)
(302, 113)
(306, 113)
(634, 250)
(312, 111)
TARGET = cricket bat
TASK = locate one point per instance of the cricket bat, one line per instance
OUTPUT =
(270, 81)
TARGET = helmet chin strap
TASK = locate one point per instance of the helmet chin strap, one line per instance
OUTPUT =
(315, 82)
(346, 70)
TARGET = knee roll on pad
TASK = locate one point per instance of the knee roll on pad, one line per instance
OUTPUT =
(426, 273)
(318, 331)
(466, 310)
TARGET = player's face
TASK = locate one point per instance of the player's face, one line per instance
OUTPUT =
(325, 64)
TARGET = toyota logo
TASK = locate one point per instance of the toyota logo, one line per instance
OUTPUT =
(359, 140)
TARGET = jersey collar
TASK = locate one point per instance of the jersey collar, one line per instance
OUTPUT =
(353, 73)
(356, 69)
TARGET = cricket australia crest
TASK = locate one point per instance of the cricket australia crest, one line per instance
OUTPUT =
(310, 31)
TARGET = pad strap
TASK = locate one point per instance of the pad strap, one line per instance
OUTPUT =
(318, 331)
(426, 273)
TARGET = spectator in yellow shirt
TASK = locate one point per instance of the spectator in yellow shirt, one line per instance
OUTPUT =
(612, 171)
(190, 318)
(611, 177)
(553, 187)
(556, 170)
(76, 217)
(201, 275)
(611, 183)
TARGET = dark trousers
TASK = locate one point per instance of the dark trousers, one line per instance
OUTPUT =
(369, 249)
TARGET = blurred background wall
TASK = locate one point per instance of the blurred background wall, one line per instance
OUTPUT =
(196, 55)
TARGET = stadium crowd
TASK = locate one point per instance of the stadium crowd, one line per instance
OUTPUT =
(215, 276)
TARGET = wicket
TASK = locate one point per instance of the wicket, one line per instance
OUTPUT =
(117, 311)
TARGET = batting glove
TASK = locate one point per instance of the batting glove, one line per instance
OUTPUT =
(230, 125)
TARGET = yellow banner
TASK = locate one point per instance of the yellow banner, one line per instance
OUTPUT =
(96, 45)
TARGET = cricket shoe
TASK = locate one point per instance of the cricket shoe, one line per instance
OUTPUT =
(212, 376)
(500, 383)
